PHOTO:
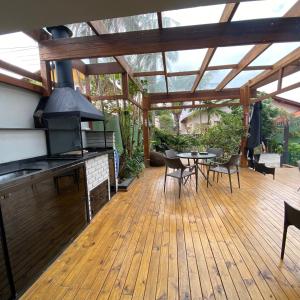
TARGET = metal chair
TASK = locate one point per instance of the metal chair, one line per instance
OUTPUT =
(181, 172)
(219, 152)
(171, 153)
(291, 218)
(230, 167)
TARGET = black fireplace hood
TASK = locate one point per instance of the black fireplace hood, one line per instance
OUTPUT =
(65, 100)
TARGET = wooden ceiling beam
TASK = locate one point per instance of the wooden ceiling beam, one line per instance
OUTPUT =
(187, 73)
(109, 97)
(22, 84)
(227, 15)
(204, 95)
(291, 58)
(171, 39)
(290, 69)
(294, 11)
(209, 105)
(12, 68)
(80, 66)
(280, 91)
(100, 29)
(38, 34)
(104, 68)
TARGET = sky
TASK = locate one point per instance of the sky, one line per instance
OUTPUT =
(20, 50)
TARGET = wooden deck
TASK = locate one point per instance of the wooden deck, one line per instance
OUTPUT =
(210, 245)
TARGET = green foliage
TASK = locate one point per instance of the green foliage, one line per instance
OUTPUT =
(163, 140)
(294, 153)
(268, 113)
(134, 165)
(227, 134)
(166, 121)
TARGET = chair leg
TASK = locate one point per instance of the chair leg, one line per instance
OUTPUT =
(229, 175)
(283, 240)
(218, 177)
(207, 178)
(180, 180)
(238, 176)
(165, 179)
(214, 176)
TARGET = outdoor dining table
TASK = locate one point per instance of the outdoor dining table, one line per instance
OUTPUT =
(196, 158)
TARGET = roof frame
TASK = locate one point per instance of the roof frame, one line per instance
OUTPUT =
(172, 39)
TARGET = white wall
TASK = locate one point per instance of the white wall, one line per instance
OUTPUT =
(16, 111)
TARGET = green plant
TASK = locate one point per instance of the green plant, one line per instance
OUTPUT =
(227, 134)
(294, 153)
(134, 165)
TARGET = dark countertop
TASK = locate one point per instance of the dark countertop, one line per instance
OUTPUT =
(43, 166)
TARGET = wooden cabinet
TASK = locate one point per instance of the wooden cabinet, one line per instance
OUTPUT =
(40, 219)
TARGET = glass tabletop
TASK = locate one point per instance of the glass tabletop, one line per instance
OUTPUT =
(196, 156)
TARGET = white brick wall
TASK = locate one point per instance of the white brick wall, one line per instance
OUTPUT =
(97, 171)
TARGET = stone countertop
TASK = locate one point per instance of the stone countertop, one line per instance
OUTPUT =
(43, 167)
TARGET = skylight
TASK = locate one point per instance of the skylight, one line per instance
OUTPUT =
(242, 78)
(98, 60)
(145, 62)
(274, 53)
(293, 95)
(211, 79)
(187, 60)
(80, 29)
(132, 23)
(154, 84)
(291, 79)
(269, 88)
(192, 16)
(262, 9)
(20, 50)
(229, 55)
(181, 83)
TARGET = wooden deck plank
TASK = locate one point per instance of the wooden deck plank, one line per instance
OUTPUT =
(208, 245)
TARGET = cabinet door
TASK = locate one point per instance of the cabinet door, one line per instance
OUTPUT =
(5, 288)
(40, 220)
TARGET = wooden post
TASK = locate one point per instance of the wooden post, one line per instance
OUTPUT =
(245, 101)
(146, 131)
(46, 77)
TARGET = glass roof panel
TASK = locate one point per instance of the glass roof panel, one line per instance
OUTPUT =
(154, 84)
(211, 79)
(242, 78)
(88, 61)
(293, 95)
(80, 29)
(132, 23)
(229, 55)
(192, 16)
(262, 9)
(291, 79)
(269, 88)
(181, 83)
(20, 50)
(11, 74)
(145, 62)
(186, 60)
(274, 53)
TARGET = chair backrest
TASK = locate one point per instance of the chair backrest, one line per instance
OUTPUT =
(219, 152)
(234, 161)
(173, 163)
(291, 215)
(171, 153)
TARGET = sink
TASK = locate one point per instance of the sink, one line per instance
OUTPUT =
(17, 173)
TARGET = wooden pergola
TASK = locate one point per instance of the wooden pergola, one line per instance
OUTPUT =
(261, 33)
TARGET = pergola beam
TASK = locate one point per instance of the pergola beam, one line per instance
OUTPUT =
(210, 68)
(291, 58)
(12, 68)
(227, 15)
(171, 39)
(294, 11)
(279, 91)
(104, 68)
(210, 105)
(204, 95)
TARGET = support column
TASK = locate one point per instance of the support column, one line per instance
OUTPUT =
(146, 131)
(46, 77)
(245, 101)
